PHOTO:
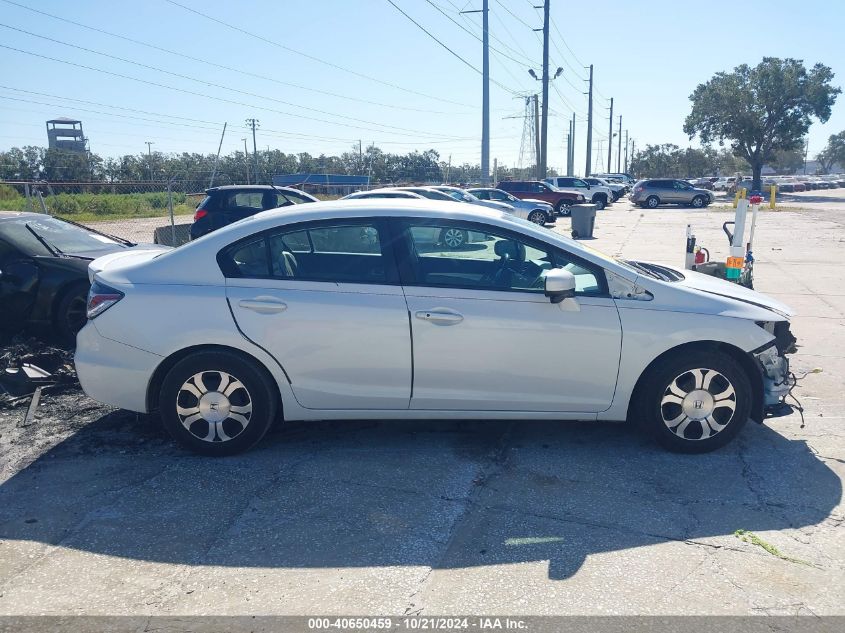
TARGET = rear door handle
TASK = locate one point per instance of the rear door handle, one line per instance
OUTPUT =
(264, 305)
(439, 315)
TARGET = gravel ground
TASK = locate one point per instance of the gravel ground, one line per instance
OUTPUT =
(454, 517)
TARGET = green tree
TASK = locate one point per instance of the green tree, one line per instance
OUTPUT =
(833, 153)
(763, 109)
(788, 161)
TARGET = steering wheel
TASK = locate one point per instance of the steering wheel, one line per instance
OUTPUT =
(497, 277)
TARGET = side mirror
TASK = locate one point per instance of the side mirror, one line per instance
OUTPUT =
(559, 285)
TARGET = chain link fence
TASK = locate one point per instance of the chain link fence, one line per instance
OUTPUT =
(149, 211)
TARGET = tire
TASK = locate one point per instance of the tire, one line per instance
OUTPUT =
(652, 202)
(562, 208)
(698, 422)
(537, 217)
(454, 238)
(600, 202)
(190, 390)
(70, 315)
(699, 202)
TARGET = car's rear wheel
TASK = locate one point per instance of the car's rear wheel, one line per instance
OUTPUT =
(217, 403)
(562, 208)
(652, 202)
(695, 402)
(600, 202)
(71, 312)
(454, 238)
(699, 202)
(537, 217)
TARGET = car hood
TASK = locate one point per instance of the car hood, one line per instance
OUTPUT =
(723, 289)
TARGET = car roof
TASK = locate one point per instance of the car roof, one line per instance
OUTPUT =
(250, 188)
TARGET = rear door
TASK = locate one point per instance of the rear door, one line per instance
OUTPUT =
(324, 299)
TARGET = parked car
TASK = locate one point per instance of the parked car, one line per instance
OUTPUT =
(652, 193)
(723, 183)
(537, 211)
(304, 314)
(616, 188)
(44, 270)
(387, 192)
(625, 179)
(224, 205)
(536, 190)
(703, 183)
(462, 195)
(596, 194)
(428, 192)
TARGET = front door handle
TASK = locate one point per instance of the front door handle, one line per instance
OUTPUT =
(264, 305)
(440, 315)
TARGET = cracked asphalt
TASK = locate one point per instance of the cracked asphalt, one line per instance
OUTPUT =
(101, 514)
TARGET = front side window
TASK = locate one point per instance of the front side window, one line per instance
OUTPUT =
(347, 253)
(463, 255)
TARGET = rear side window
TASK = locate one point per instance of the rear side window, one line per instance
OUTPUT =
(348, 253)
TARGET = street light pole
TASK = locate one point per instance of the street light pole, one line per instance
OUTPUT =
(246, 160)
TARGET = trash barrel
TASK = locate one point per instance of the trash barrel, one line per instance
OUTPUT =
(583, 220)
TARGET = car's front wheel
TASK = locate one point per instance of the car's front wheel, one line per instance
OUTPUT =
(454, 238)
(699, 202)
(694, 402)
(537, 217)
(70, 315)
(217, 403)
(600, 202)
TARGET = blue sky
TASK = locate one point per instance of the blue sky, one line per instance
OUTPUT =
(648, 55)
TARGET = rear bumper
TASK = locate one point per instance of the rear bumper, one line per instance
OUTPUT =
(111, 372)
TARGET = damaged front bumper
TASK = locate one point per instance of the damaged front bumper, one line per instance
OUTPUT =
(778, 380)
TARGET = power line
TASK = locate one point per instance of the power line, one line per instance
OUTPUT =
(203, 81)
(432, 36)
(240, 71)
(216, 98)
(312, 57)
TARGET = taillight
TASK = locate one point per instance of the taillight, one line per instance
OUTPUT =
(100, 298)
(201, 213)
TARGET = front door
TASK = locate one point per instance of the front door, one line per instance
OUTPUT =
(324, 299)
(485, 337)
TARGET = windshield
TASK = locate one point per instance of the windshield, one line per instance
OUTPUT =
(69, 239)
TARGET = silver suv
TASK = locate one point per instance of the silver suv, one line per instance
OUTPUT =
(654, 192)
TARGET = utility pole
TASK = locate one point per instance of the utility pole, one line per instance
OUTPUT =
(217, 158)
(150, 158)
(360, 155)
(537, 148)
(485, 91)
(610, 136)
(253, 123)
(567, 151)
(589, 126)
(572, 147)
(618, 147)
(544, 138)
(633, 150)
(495, 171)
(246, 160)
(626, 151)
(448, 168)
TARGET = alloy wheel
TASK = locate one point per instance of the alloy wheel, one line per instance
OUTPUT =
(537, 217)
(698, 404)
(214, 406)
(453, 237)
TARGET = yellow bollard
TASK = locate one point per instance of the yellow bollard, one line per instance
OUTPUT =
(736, 198)
(744, 192)
(772, 194)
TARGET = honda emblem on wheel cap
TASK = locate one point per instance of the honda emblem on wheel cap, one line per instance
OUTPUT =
(698, 404)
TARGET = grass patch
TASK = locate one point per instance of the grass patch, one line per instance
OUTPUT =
(88, 207)
(749, 537)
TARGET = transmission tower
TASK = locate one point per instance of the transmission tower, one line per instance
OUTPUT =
(599, 159)
(528, 158)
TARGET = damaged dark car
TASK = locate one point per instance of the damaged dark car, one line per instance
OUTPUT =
(44, 271)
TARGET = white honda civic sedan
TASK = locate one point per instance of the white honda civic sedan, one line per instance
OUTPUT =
(356, 309)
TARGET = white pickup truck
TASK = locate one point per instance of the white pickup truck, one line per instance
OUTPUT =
(597, 194)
